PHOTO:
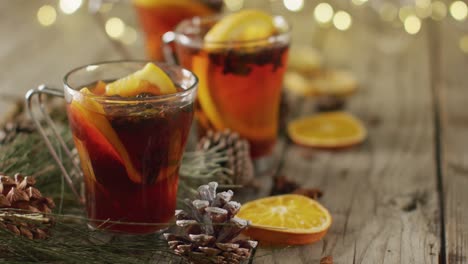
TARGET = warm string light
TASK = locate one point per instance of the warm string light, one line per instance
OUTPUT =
(323, 13)
(412, 24)
(459, 10)
(234, 5)
(294, 5)
(342, 20)
(46, 15)
(463, 44)
(115, 27)
(70, 6)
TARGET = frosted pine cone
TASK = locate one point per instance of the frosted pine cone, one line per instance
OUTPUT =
(239, 163)
(23, 208)
(207, 232)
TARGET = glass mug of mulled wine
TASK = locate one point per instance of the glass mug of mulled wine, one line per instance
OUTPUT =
(240, 79)
(156, 17)
(130, 136)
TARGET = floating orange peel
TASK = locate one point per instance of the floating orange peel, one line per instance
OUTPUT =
(286, 219)
(327, 130)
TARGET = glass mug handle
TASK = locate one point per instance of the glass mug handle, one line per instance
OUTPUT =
(30, 103)
(167, 48)
(93, 8)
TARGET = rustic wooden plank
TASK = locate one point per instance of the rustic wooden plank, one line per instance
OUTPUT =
(382, 194)
(452, 86)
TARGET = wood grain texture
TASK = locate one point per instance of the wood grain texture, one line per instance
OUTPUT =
(453, 98)
(382, 195)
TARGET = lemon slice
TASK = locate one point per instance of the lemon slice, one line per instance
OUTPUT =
(327, 130)
(245, 25)
(151, 79)
(286, 219)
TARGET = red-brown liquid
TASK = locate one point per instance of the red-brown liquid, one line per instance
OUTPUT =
(154, 139)
(162, 18)
(244, 86)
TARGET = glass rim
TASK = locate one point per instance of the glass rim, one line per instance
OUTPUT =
(178, 33)
(126, 100)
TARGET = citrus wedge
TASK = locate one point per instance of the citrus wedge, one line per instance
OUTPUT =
(334, 83)
(89, 112)
(151, 79)
(327, 130)
(249, 24)
(286, 219)
(200, 66)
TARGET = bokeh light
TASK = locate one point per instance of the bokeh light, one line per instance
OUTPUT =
(294, 5)
(405, 12)
(459, 10)
(412, 24)
(422, 3)
(464, 44)
(106, 7)
(129, 36)
(388, 12)
(342, 20)
(439, 10)
(358, 2)
(70, 6)
(234, 5)
(46, 15)
(115, 27)
(323, 13)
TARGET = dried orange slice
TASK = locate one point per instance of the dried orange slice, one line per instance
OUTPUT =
(286, 219)
(151, 79)
(327, 130)
(249, 24)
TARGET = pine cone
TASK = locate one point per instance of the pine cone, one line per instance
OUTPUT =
(207, 231)
(236, 148)
(23, 208)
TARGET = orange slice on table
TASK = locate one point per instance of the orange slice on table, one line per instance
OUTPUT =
(327, 130)
(286, 219)
(151, 79)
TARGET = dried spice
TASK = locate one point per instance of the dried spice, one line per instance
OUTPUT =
(284, 185)
(326, 260)
(239, 62)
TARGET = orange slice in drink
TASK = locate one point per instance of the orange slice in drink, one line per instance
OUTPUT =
(151, 79)
(200, 66)
(327, 130)
(87, 111)
(286, 219)
(249, 24)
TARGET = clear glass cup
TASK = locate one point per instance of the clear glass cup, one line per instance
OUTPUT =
(159, 16)
(130, 149)
(240, 81)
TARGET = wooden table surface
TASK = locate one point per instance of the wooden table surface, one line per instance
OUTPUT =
(400, 197)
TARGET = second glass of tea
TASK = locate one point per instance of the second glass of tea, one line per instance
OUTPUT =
(159, 16)
(240, 82)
